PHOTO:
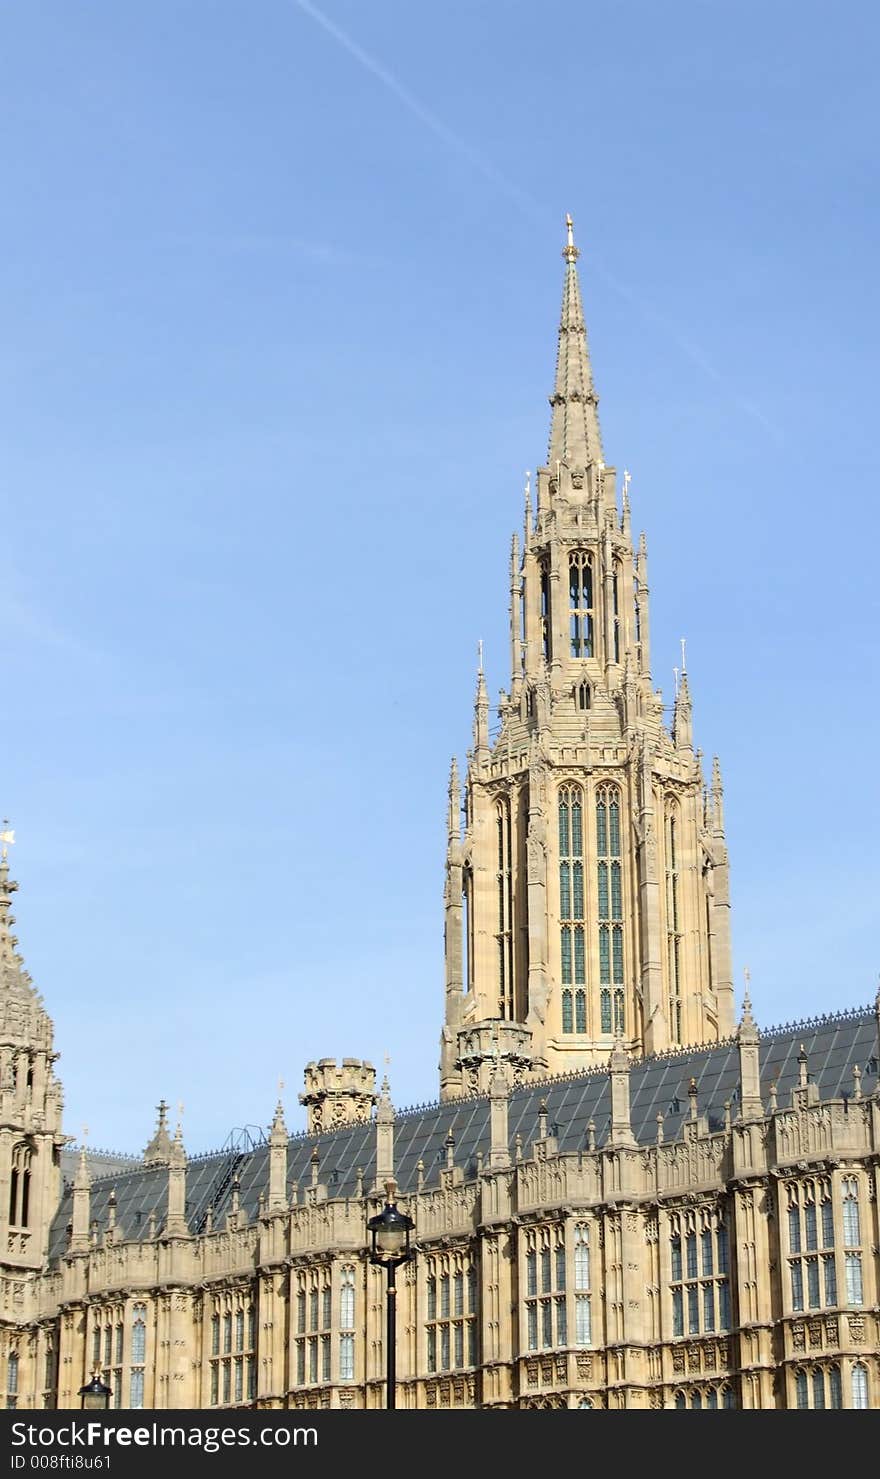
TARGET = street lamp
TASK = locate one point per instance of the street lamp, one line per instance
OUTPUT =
(389, 1234)
(95, 1395)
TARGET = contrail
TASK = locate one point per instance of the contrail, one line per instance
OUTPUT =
(526, 202)
(424, 115)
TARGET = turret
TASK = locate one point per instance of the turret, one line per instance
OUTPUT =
(621, 1132)
(384, 1136)
(175, 1221)
(750, 1102)
(81, 1216)
(278, 1141)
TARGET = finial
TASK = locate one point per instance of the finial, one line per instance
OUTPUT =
(570, 251)
(692, 1095)
(480, 657)
(659, 1118)
(675, 672)
(857, 1081)
(627, 479)
(683, 657)
(7, 836)
(390, 1191)
(773, 1099)
(591, 1134)
(747, 1018)
(85, 1136)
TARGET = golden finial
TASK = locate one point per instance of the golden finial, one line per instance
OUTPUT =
(6, 836)
(570, 251)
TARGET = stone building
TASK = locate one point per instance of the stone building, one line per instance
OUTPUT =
(624, 1198)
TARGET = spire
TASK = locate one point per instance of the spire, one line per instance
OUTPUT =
(454, 813)
(716, 797)
(574, 425)
(158, 1152)
(682, 717)
(481, 712)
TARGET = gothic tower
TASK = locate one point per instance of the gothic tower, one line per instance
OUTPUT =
(30, 1103)
(587, 896)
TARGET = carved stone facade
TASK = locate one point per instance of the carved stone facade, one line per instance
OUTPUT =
(604, 1218)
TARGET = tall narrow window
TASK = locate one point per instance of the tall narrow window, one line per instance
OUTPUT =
(546, 648)
(571, 910)
(851, 1231)
(580, 604)
(610, 910)
(138, 1355)
(859, 1385)
(504, 936)
(673, 924)
(582, 1312)
(853, 1267)
(615, 610)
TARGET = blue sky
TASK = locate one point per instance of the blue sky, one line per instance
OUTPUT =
(279, 299)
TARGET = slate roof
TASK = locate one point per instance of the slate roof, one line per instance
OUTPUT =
(834, 1044)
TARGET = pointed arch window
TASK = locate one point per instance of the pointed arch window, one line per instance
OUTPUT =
(610, 910)
(584, 695)
(504, 933)
(580, 603)
(571, 910)
(673, 922)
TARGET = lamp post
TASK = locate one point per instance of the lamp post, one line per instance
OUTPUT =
(389, 1234)
(95, 1394)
